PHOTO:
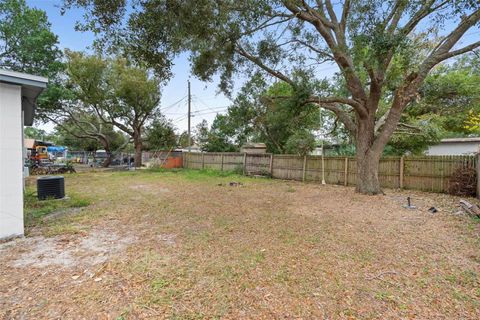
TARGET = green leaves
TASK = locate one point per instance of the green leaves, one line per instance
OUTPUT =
(28, 45)
(449, 94)
(272, 114)
(122, 94)
(26, 42)
(301, 143)
(160, 135)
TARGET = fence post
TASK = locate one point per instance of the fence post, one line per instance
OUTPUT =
(477, 165)
(402, 168)
(304, 167)
(346, 172)
(184, 159)
(271, 165)
(203, 160)
(221, 169)
(244, 163)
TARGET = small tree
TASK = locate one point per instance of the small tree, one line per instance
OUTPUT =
(201, 135)
(183, 140)
(160, 135)
(301, 143)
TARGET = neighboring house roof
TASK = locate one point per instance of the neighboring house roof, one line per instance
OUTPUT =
(32, 86)
(455, 146)
(29, 143)
(457, 140)
(192, 148)
(32, 143)
(256, 145)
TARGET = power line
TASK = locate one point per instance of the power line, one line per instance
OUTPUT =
(206, 105)
(179, 119)
(204, 113)
(173, 104)
(215, 109)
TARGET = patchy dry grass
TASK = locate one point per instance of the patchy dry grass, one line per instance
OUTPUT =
(187, 245)
(47, 217)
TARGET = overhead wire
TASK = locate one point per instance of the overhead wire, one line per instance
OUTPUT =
(173, 104)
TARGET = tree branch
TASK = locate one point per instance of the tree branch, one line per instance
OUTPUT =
(441, 52)
(345, 13)
(259, 63)
(457, 52)
(343, 116)
(354, 104)
(342, 58)
(320, 52)
(424, 11)
(406, 92)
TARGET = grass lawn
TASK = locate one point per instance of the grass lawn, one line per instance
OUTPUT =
(187, 245)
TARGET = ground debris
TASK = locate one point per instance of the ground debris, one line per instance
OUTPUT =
(433, 210)
(381, 274)
(258, 251)
(231, 184)
(469, 208)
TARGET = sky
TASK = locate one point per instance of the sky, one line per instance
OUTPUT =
(206, 103)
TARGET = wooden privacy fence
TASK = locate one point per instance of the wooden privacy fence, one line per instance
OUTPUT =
(427, 173)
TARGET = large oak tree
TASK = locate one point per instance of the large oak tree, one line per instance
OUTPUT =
(383, 49)
(101, 93)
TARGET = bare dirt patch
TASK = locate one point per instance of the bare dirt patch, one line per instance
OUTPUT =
(147, 188)
(67, 251)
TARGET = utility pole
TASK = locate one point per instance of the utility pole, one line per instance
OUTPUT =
(189, 116)
(323, 149)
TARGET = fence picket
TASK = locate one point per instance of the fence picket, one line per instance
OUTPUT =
(427, 173)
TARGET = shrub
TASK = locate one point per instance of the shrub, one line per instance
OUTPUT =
(238, 170)
(463, 182)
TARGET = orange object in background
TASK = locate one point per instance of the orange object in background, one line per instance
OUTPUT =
(173, 162)
(40, 153)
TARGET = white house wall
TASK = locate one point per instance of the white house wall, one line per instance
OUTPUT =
(11, 161)
(453, 148)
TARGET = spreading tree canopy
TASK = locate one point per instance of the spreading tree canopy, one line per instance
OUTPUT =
(383, 49)
(26, 42)
(101, 93)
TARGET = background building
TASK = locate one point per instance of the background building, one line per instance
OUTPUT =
(455, 146)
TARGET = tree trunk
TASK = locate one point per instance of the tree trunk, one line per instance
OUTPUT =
(106, 146)
(367, 173)
(106, 163)
(367, 159)
(137, 143)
